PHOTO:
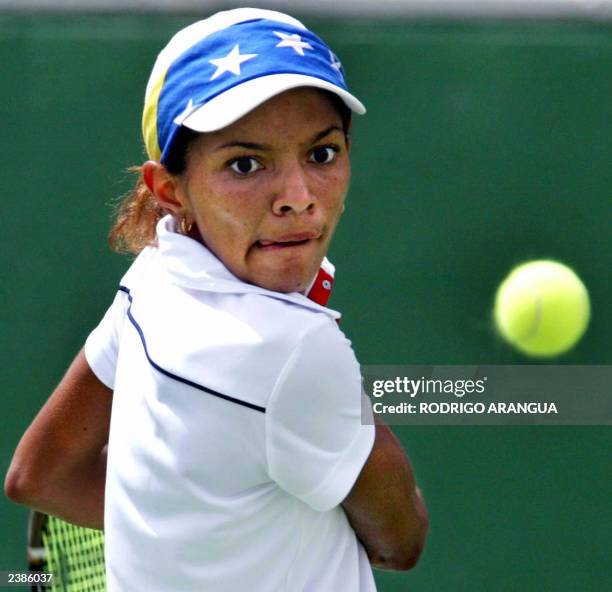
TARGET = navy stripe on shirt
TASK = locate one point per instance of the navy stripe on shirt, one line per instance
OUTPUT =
(174, 376)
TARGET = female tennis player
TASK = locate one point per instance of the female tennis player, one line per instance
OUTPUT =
(212, 424)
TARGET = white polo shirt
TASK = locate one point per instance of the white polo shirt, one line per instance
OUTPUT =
(235, 432)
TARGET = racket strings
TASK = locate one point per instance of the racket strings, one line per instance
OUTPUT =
(75, 555)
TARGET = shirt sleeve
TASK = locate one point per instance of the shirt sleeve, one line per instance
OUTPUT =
(316, 441)
(102, 345)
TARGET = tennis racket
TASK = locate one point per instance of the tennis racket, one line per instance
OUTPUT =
(75, 555)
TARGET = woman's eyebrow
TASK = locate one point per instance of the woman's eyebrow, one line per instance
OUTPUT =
(265, 147)
(326, 132)
(247, 145)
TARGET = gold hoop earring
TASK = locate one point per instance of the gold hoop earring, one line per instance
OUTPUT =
(185, 227)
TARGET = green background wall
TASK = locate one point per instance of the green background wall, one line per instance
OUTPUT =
(486, 143)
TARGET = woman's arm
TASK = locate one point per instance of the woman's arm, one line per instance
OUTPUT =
(59, 466)
(385, 507)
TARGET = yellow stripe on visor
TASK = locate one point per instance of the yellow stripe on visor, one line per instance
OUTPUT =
(149, 120)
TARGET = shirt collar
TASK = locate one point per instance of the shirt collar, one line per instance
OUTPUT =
(192, 265)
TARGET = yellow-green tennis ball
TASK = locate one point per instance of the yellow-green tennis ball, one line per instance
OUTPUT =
(542, 308)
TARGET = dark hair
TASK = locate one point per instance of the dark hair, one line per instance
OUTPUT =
(176, 162)
(138, 213)
(344, 112)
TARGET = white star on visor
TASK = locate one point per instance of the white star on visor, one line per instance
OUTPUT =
(231, 62)
(335, 62)
(294, 41)
(187, 111)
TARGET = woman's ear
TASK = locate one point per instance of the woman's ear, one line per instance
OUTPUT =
(164, 188)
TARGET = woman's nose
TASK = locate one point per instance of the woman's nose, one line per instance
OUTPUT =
(294, 194)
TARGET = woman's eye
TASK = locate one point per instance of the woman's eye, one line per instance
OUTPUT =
(323, 154)
(244, 165)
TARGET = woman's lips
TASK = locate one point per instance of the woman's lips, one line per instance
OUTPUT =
(294, 240)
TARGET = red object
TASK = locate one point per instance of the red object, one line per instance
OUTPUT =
(322, 287)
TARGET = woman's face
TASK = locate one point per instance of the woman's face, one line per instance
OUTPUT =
(267, 192)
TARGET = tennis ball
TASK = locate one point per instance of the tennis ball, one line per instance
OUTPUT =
(542, 308)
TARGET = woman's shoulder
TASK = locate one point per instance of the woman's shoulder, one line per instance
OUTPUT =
(228, 342)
